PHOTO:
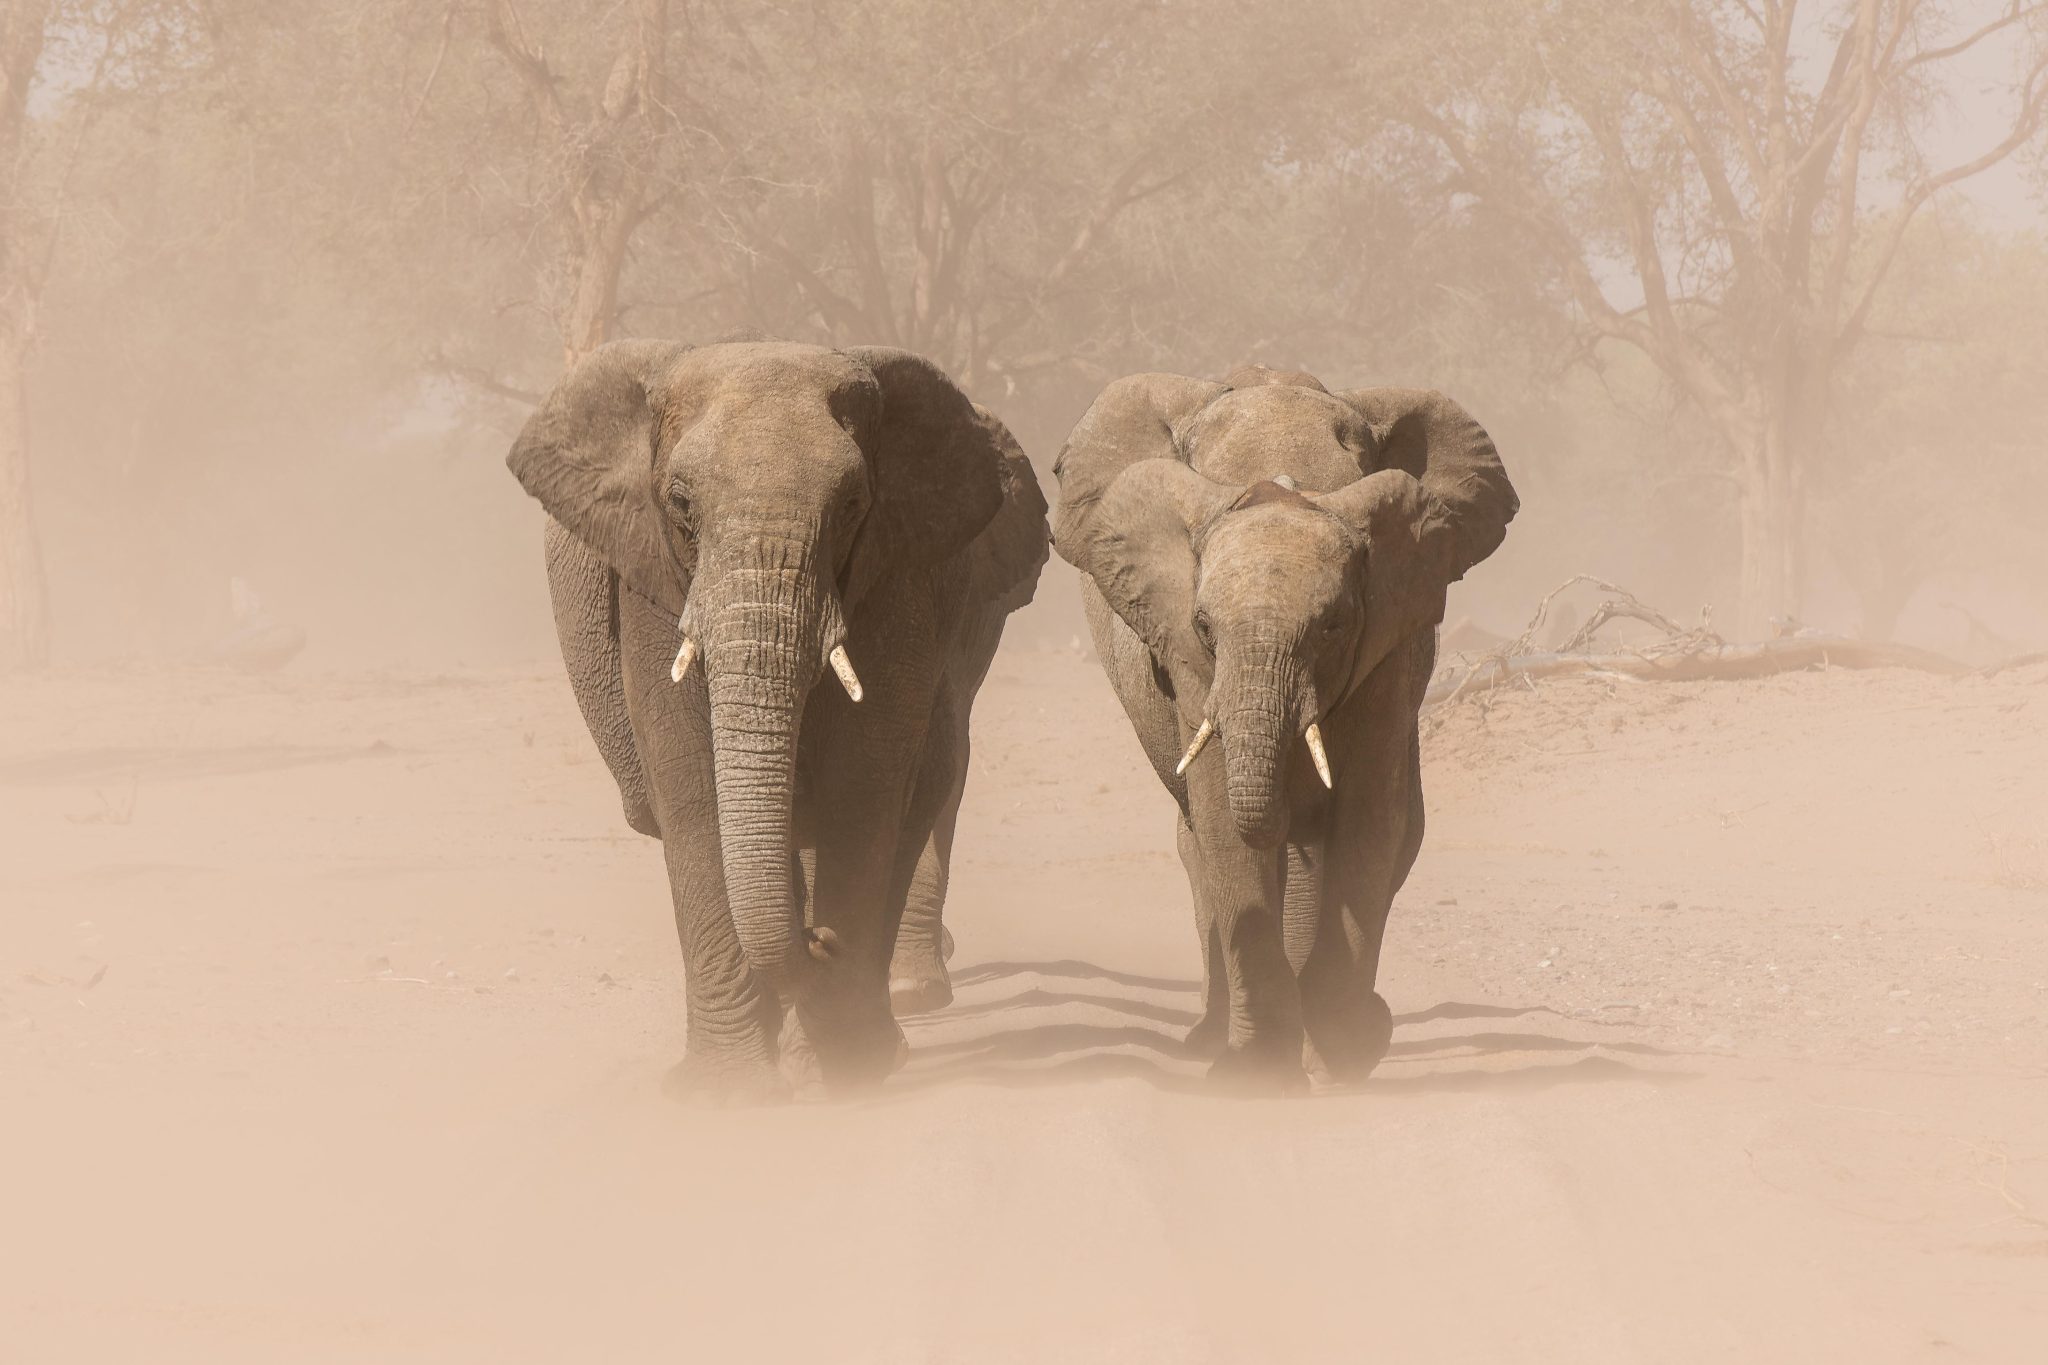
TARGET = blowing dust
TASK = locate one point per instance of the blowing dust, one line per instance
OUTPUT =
(338, 1000)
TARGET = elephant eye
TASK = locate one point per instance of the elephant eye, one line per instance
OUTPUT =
(1203, 632)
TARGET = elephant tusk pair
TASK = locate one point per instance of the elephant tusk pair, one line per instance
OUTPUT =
(1315, 751)
(841, 665)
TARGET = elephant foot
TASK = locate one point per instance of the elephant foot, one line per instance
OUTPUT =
(1257, 1069)
(726, 1083)
(800, 1064)
(834, 1056)
(919, 994)
(1342, 1046)
(869, 1059)
(918, 980)
(1206, 1038)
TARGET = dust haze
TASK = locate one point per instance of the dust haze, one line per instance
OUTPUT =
(336, 996)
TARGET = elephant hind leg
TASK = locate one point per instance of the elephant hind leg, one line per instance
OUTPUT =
(585, 595)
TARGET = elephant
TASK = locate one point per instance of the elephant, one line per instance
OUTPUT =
(1264, 567)
(779, 573)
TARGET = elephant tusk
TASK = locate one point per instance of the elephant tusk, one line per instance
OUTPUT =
(1315, 751)
(684, 656)
(843, 666)
(1195, 748)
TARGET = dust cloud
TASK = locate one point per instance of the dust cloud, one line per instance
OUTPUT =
(336, 997)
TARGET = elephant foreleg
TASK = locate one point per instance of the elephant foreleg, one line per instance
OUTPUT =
(1212, 1030)
(1376, 832)
(918, 982)
(873, 811)
(1239, 892)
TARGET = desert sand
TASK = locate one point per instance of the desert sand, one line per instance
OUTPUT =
(334, 1012)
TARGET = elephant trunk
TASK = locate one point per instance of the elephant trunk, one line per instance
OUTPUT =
(1256, 717)
(764, 651)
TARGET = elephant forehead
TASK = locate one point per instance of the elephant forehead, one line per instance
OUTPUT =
(1259, 433)
(1275, 553)
(764, 376)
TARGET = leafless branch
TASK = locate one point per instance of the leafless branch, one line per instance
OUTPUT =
(433, 72)
(481, 379)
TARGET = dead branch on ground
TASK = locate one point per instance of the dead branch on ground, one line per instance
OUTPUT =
(1683, 654)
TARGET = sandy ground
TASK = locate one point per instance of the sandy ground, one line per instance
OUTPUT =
(333, 1014)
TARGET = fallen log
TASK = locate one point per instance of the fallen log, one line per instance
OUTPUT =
(1713, 662)
(2016, 661)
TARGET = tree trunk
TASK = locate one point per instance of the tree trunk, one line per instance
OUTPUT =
(1882, 605)
(607, 160)
(1893, 577)
(1771, 522)
(24, 597)
(600, 260)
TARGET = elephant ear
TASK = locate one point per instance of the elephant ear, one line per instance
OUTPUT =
(1139, 547)
(1409, 552)
(1424, 434)
(938, 471)
(1130, 506)
(1008, 556)
(1133, 419)
(589, 453)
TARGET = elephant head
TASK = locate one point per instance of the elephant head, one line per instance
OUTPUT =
(1271, 543)
(759, 491)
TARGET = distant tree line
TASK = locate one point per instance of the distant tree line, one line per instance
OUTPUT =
(1697, 251)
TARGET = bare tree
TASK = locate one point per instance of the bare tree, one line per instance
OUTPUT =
(1937, 433)
(602, 149)
(954, 177)
(49, 47)
(1714, 208)
(24, 603)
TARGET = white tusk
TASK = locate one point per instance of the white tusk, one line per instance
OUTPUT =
(1315, 751)
(1195, 748)
(683, 658)
(843, 666)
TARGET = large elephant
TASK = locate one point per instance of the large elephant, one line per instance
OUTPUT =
(779, 574)
(1266, 563)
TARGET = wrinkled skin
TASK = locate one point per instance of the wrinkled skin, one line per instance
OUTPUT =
(1264, 556)
(772, 503)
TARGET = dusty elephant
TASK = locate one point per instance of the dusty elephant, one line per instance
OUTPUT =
(779, 573)
(1266, 563)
